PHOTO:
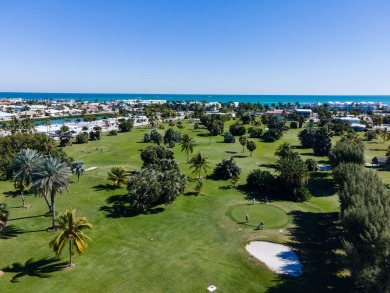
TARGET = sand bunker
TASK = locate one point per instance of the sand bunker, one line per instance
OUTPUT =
(90, 168)
(278, 258)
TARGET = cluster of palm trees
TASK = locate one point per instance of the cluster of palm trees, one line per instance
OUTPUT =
(47, 176)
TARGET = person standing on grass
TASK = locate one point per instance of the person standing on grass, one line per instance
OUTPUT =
(247, 218)
(253, 200)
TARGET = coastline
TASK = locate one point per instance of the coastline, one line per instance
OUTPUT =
(263, 99)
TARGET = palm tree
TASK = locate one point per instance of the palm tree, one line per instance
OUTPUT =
(187, 145)
(385, 134)
(243, 140)
(50, 177)
(23, 163)
(78, 168)
(118, 175)
(199, 163)
(251, 146)
(48, 125)
(72, 232)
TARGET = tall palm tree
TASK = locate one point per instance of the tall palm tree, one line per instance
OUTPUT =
(23, 164)
(78, 168)
(50, 177)
(72, 232)
(187, 145)
(243, 140)
(118, 175)
(385, 134)
(199, 163)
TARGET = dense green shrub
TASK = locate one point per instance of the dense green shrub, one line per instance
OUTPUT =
(147, 137)
(370, 135)
(306, 136)
(126, 126)
(292, 178)
(285, 150)
(227, 169)
(322, 143)
(272, 135)
(293, 125)
(228, 138)
(113, 132)
(260, 181)
(346, 151)
(82, 137)
(152, 154)
(151, 187)
(171, 137)
(237, 129)
(255, 132)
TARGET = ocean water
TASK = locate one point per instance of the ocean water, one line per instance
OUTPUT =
(263, 99)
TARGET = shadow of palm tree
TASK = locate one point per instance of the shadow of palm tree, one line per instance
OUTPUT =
(12, 193)
(40, 268)
(119, 207)
(26, 217)
(240, 156)
(10, 231)
(101, 187)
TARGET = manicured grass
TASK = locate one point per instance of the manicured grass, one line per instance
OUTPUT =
(184, 247)
(271, 216)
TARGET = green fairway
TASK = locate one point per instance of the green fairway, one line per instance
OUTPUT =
(271, 216)
(184, 247)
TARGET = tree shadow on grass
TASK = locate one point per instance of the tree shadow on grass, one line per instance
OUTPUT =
(103, 187)
(321, 184)
(190, 193)
(29, 217)
(118, 206)
(230, 152)
(41, 268)
(12, 193)
(271, 166)
(240, 156)
(316, 239)
(10, 231)
(378, 150)
(307, 154)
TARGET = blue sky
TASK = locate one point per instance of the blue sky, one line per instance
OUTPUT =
(198, 46)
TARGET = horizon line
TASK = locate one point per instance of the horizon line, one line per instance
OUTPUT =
(194, 94)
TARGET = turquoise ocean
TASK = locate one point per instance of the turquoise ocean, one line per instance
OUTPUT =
(263, 99)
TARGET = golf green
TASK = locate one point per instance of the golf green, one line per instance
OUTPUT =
(271, 216)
